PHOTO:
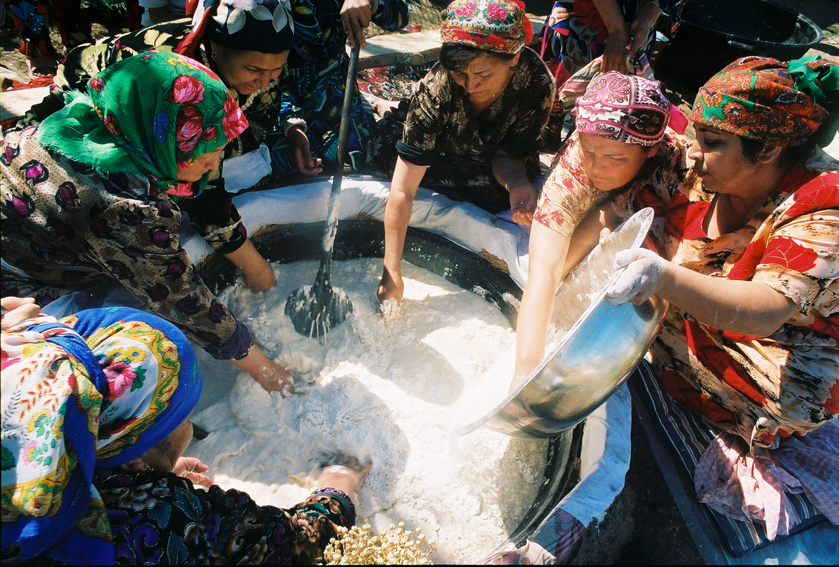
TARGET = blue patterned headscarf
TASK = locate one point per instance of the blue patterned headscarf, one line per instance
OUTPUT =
(95, 390)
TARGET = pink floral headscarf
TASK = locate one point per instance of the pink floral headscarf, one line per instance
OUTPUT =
(621, 107)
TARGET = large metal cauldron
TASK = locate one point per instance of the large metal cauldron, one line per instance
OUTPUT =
(715, 33)
(363, 239)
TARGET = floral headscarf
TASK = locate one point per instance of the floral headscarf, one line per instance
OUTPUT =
(151, 113)
(767, 100)
(98, 389)
(626, 108)
(499, 26)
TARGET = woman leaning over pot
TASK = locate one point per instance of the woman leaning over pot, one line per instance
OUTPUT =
(96, 413)
(622, 140)
(94, 195)
(473, 128)
(750, 254)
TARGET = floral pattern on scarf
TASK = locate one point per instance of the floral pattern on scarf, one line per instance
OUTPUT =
(99, 388)
(189, 114)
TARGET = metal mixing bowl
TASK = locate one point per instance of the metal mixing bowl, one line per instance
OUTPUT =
(601, 346)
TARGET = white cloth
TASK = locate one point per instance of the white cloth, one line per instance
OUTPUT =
(177, 9)
(246, 170)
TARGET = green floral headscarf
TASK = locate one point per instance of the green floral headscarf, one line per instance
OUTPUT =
(150, 114)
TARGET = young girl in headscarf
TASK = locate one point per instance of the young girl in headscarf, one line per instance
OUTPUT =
(95, 418)
(95, 194)
(621, 140)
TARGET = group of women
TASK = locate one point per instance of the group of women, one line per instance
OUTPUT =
(94, 187)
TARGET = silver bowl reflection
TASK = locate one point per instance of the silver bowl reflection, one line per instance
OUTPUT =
(601, 346)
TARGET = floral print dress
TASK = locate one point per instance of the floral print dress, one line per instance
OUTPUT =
(112, 210)
(438, 128)
(757, 387)
(577, 34)
(68, 227)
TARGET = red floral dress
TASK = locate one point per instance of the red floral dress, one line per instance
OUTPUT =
(757, 387)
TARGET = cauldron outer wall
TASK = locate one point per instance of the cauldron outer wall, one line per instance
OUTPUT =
(714, 33)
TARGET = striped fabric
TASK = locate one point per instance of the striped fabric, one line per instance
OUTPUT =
(688, 437)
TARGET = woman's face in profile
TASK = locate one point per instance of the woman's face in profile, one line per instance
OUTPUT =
(194, 171)
(611, 164)
(718, 159)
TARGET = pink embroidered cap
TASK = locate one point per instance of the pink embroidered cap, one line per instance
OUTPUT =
(626, 108)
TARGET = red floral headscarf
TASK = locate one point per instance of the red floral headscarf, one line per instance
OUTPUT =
(768, 100)
(500, 26)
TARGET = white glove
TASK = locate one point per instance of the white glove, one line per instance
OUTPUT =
(642, 278)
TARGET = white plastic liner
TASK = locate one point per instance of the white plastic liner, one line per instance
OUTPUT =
(462, 223)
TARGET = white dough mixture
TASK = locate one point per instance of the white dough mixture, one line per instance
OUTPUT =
(390, 392)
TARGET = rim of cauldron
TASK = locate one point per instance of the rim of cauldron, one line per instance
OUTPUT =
(356, 239)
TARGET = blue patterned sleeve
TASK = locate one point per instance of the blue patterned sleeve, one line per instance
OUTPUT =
(666, 4)
(392, 15)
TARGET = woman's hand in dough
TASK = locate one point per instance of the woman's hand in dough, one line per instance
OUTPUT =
(523, 203)
(645, 274)
(259, 276)
(255, 269)
(17, 310)
(391, 286)
(191, 468)
(270, 375)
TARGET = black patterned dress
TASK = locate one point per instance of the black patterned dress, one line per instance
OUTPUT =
(68, 227)
(167, 521)
(437, 128)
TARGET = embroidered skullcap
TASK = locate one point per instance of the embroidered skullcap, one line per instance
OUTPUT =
(767, 100)
(626, 108)
(247, 25)
(499, 26)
